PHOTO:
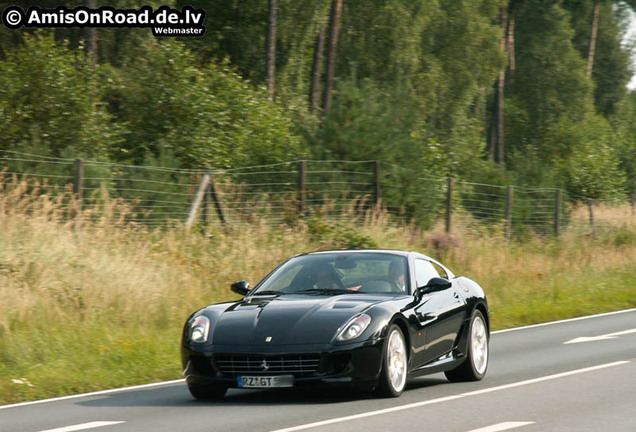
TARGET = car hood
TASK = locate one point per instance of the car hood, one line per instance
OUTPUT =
(289, 319)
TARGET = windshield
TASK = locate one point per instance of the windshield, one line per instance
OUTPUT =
(334, 273)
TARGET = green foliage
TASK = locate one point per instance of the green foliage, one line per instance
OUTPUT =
(51, 100)
(625, 127)
(414, 89)
(588, 165)
(611, 68)
(203, 115)
(549, 81)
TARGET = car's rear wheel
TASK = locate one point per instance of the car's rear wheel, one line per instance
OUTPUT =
(207, 392)
(476, 363)
(394, 364)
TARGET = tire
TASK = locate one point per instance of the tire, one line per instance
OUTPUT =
(476, 363)
(207, 392)
(394, 364)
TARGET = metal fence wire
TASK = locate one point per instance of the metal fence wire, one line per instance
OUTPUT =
(283, 192)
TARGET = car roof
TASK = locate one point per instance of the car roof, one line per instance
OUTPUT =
(383, 251)
(387, 251)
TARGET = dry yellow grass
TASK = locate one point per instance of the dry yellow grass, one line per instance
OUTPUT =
(89, 302)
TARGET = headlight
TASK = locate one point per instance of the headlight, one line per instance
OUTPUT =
(354, 327)
(199, 329)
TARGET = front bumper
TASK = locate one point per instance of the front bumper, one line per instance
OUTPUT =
(356, 364)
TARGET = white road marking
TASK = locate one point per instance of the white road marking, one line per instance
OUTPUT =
(446, 399)
(545, 378)
(502, 427)
(564, 321)
(84, 426)
(97, 393)
(601, 337)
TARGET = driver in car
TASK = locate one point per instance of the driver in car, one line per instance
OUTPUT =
(325, 278)
(396, 277)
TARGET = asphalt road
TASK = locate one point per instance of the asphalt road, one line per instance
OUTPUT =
(536, 382)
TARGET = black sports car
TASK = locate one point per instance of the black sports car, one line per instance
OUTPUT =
(366, 318)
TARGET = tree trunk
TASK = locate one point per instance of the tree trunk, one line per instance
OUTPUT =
(316, 70)
(499, 154)
(510, 43)
(496, 139)
(334, 29)
(90, 33)
(270, 62)
(590, 53)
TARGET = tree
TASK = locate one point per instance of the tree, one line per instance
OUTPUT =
(590, 55)
(53, 97)
(597, 37)
(550, 80)
(332, 52)
(496, 138)
(201, 115)
(270, 64)
(91, 36)
(316, 70)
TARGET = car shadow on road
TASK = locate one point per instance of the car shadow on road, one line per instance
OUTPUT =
(177, 395)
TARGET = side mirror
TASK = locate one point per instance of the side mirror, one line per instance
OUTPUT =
(435, 284)
(241, 287)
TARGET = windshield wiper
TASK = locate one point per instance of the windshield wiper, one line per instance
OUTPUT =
(268, 292)
(325, 291)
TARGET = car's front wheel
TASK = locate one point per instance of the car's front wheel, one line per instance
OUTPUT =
(394, 364)
(476, 363)
(207, 392)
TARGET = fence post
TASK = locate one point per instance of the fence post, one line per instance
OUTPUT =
(302, 169)
(78, 181)
(217, 202)
(633, 204)
(509, 212)
(198, 198)
(206, 203)
(557, 213)
(591, 211)
(449, 204)
(377, 183)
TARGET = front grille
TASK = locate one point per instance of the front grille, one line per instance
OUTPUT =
(299, 365)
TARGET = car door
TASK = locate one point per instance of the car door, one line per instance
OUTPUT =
(440, 315)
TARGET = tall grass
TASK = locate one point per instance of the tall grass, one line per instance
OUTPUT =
(89, 301)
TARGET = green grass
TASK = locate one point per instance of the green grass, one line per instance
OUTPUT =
(97, 304)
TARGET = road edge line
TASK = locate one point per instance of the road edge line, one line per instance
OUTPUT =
(97, 393)
(564, 321)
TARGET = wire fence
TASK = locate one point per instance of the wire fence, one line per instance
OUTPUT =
(283, 192)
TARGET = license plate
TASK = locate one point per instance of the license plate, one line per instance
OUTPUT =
(265, 381)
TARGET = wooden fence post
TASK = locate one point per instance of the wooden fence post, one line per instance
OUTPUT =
(377, 183)
(78, 181)
(633, 204)
(449, 204)
(302, 169)
(206, 203)
(217, 201)
(508, 232)
(78, 193)
(557, 213)
(590, 208)
(198, 199)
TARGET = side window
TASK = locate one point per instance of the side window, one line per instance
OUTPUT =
(441, 271)
(424, 271)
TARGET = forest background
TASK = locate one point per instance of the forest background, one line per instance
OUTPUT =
(529, 93)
